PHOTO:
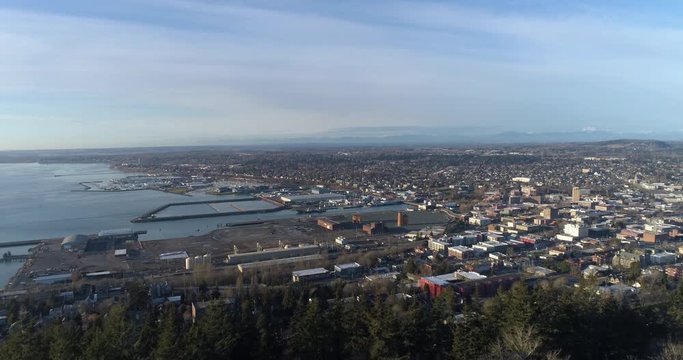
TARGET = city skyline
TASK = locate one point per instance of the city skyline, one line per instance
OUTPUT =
(169, 72)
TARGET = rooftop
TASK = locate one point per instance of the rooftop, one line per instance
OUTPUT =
(310, 272)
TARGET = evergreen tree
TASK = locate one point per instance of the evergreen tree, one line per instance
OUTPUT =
(168, 337)
(112, 339)
(355, 324)
(26, 342)
(309, 338)
(471, 337)
(64, 341)
(147, 337)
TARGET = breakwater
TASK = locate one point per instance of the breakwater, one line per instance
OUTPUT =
(151, 216)
(19, 243)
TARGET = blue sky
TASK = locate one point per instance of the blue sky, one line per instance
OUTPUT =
(175, 72)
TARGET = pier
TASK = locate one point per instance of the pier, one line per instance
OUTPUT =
(12, 258)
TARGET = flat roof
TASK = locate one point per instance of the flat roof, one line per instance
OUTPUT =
(53, 278)
(173, 255)
(275, 262)
(436, 280)
(469, 275)
(353, 265)
(272, 251)
(388, 275)
(310, 272)
(98, 273)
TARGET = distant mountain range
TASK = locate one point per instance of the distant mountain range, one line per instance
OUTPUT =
(372, 136)
(414, 135)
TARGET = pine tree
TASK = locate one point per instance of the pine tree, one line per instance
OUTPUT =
(147, 336)
(111, 340)
(309, 338)
(167, 345)
(65, 341)
(25, 342)
(471, 337)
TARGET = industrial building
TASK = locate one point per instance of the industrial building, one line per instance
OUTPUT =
(278, 262)
(328, 224)
(401, 219)
(271, 254)
(310, 275)
(53, 279)
(75, 243)
(374, 228)
(349, 271)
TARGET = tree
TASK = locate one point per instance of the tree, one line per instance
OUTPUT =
(518, 343)
(471, 337)
(411, 267)
(65, 340)
(25, 343)
(310, 338)
(633, 272)
(166, 346)
(147, 336)
(675, 308)
(138, 295)
(111, 340)
(384, 330)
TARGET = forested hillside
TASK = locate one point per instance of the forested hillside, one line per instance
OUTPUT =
(301, 322)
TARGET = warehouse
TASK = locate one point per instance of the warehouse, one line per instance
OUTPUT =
(272, 254)
(310, 275)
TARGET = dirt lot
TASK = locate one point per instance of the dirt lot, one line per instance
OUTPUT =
(49, 259)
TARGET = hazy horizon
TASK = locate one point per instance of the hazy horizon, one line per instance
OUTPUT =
(78, 74)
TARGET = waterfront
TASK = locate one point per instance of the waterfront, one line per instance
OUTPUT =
(38, 201)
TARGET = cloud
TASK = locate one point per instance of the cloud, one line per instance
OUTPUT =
(193, 69)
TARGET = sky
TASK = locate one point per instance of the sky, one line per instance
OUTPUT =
(82, 73)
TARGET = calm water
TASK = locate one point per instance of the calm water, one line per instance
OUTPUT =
(39, 202)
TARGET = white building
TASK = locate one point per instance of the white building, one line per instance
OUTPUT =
(576, 230)
(479, 220)
(438, 245)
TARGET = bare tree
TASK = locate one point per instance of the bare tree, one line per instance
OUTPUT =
(670, 351)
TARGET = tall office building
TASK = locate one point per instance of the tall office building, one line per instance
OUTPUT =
(576, 194)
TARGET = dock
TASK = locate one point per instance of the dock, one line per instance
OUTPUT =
(13, 258)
